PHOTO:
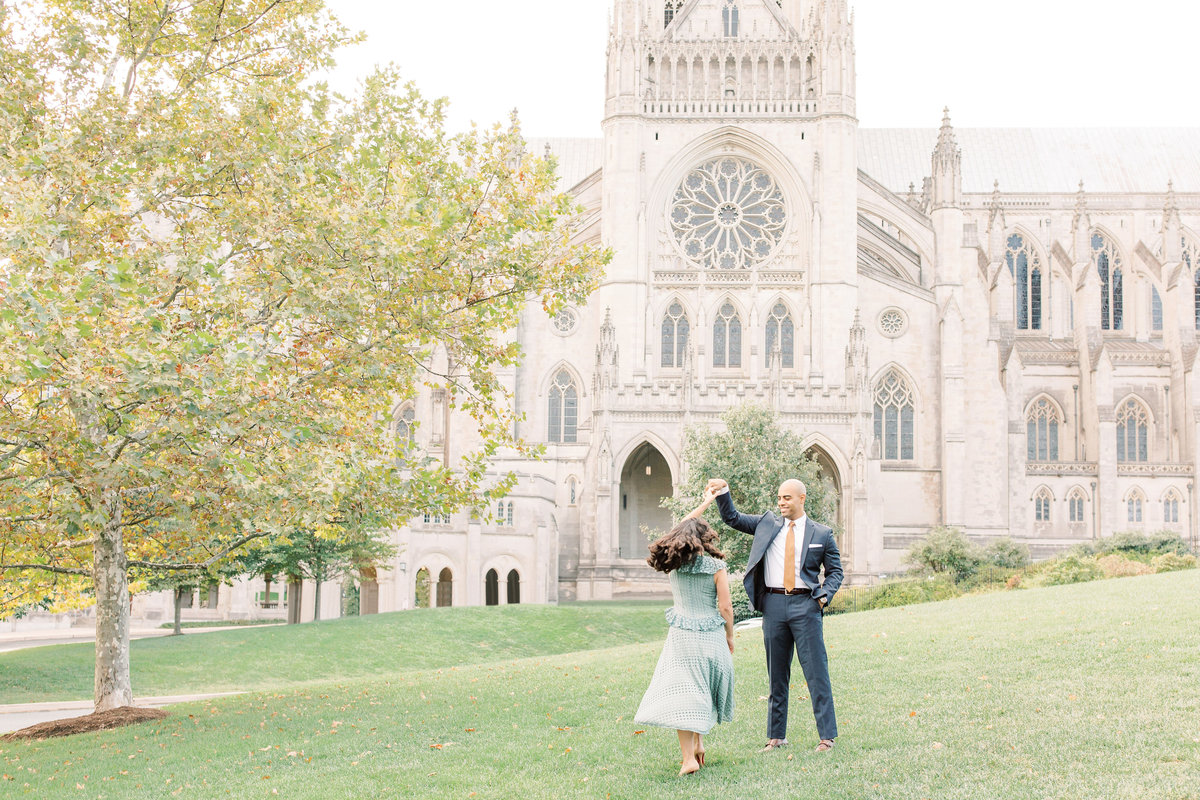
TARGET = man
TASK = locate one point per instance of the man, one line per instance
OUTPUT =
(783, 582)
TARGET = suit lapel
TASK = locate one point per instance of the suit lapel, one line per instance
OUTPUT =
(810, 531)
(759, 549)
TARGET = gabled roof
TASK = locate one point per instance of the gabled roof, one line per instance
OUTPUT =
(1040, 160)
(577, 158)
(1033, 160)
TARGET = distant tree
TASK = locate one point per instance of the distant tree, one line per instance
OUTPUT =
(946, 550)
(319, 557)
(755, 454)
(217, 279)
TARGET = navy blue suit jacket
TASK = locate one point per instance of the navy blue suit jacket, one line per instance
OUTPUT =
(818, 548)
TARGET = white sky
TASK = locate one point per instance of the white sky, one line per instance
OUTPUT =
(1022, 63)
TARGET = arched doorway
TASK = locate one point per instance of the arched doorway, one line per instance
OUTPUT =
(445, 588)
(645, 481)
(514, 587)
(491, 588)
(421, 598)
(833, 481)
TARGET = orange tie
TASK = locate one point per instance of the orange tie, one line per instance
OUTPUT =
(789, 557)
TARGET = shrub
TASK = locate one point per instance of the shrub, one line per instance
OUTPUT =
(1071, 569)
(946, 551)
(1006, 553)
(910, 591)
(1118, 566)
(1135, 543)
(1170, 562)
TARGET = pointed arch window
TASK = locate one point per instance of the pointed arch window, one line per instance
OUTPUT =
(445, 588)
(1133, 506)
(1133, 428)
(729, 19)
(514, 587)
(1041, 505)
(406, 427)
(423, 589)
(1025, 266)
(781, 331)
(563, 409)
(674, 336)
(727, 337)
(670, 10)
(1075, 505)
(1171, 506)
(894, 416)
(1156, 317)
(1108, 265)
(572, 490)
(491, 588)
(1041, 431)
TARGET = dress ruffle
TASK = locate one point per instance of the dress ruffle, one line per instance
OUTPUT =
(713, 622)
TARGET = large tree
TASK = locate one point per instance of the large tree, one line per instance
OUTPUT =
(217, 280)
(755, 453)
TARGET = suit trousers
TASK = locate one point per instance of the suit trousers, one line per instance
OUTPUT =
(795, 621)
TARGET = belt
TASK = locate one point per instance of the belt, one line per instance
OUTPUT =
(797, 590)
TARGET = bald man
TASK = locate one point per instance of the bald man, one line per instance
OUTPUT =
(783, 581)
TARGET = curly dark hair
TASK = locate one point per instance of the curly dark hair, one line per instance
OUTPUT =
(682, 544)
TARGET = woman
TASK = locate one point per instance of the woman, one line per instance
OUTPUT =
(692, 687)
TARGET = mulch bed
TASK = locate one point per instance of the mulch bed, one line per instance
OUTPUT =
(98, 721)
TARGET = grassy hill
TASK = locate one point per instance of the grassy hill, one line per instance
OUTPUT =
(354, 647)
(1083, 691)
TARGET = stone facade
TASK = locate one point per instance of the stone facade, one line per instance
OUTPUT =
(961, 331)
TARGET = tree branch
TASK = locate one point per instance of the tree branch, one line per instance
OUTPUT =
(46, 568)
(200, 564)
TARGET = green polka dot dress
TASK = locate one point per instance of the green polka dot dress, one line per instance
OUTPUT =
(692, 687)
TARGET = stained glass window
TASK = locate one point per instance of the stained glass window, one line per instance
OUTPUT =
(727, 338)
(728, 214)
(780, 329)
(1134, 506)
(563, 409)
(1133, 424)
(894, 416)
(674, 336)
(729, 19)
(406, 429)
(1041, 431)
(1171, 507)
(1041, 505)
(1075, 505)
(1108, 265)
(1026, 268)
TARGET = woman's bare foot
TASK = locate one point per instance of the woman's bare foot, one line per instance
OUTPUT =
(689, 767)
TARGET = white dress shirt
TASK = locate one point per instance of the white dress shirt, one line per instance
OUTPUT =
(773, 560)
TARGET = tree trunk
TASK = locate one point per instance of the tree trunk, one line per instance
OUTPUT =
(316, 599)
(109, 573)
(178, 610)
(294, 586)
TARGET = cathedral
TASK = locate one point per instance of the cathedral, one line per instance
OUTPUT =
(994, 329)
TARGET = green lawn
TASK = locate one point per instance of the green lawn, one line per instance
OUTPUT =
(1085, 691)
(355, 647)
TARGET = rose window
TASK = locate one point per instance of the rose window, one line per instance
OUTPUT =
(564, 321)
(892, 322)
(728, 214)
